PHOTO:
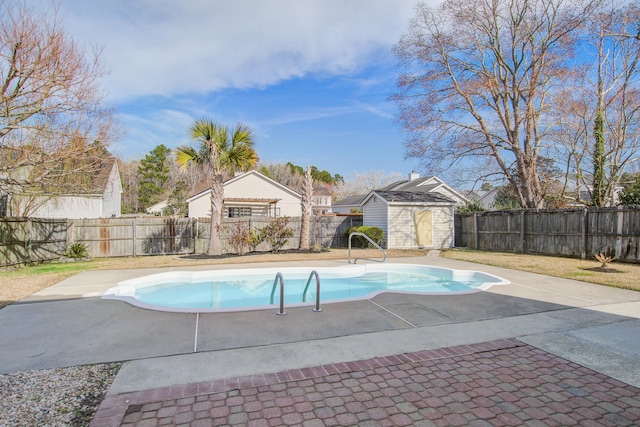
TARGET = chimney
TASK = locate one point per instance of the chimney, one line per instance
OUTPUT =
(413, 176)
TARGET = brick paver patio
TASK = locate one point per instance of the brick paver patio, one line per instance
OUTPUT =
(498, 383)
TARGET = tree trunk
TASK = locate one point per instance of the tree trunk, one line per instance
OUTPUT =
(307, 194)
(598, 193)
(217, 199)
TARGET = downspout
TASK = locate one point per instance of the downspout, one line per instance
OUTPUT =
(388, 223)
(453, 227)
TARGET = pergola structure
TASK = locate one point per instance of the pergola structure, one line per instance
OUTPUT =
(240, 206)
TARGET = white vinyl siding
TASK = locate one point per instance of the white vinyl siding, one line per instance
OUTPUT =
(255, 186)
(450, 195)
(443, 228)
(401, 227)
(396, 216)
(72, 207)
(396, 220)
(105, 205)
(251, 185)
(444, 190)
(375, 215)
(112, 197)
(200, 205)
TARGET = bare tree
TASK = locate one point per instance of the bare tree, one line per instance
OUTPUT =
(130, 185)
(305, 204)
(196, 179)
(478, 77)
(363, 182)
(54, 130)
(284, 174)
(617, 89)
(598, 127)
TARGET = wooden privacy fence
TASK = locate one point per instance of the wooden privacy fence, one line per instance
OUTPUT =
(581, 233)
(324, 231)
(27, 240)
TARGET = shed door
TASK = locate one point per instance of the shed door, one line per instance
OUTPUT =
(424, 228)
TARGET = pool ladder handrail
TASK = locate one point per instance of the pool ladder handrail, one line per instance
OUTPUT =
(281, 312)
(306, 289)
(357, 233)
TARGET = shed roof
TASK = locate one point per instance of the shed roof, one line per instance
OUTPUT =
(428, 184)
(350, 200)
(413, 197)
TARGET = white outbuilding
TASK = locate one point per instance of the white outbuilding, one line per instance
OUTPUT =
(417, 213)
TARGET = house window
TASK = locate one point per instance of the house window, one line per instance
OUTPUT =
(274, 211)
(3, 205)
(236, 212)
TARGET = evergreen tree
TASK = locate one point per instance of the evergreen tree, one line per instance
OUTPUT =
(630, 195)
(154, 174)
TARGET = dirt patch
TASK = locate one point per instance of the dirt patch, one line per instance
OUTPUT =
(603, 270)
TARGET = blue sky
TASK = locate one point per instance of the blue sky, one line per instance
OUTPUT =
(311, 77)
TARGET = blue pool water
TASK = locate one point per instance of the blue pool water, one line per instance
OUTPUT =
(244, 289)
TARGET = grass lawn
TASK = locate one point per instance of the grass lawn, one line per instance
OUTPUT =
(619, 275)
(20, 283)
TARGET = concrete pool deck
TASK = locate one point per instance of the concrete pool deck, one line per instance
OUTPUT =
(593, 326)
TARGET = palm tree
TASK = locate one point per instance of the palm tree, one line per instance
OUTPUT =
(219, 153)
(307, 194)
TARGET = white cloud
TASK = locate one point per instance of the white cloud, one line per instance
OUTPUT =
(374, 110)
(167, 47)
(162, 126)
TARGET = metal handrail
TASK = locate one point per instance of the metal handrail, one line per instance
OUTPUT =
(306, 289)
(357, 233)
(273, 291)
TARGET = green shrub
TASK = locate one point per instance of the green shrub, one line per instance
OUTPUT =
(471, 207)
(630, 195)
(77, 251)
(277, 233)
(374, 233)
(255, 238)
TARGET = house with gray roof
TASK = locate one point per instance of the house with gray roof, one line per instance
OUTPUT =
(428, 184)
(100, 196)
(349, 204)
(416, 213)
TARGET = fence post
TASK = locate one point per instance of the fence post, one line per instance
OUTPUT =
(522, 231)
(133, 232)
(619, 230)
(585, 222)
(191, 233)
(475, 231)
(29, 235)
(195, 238)
(70, 237)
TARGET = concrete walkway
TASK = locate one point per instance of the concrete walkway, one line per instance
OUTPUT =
(593, 326)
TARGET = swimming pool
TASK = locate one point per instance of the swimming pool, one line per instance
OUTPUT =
(252, 288)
